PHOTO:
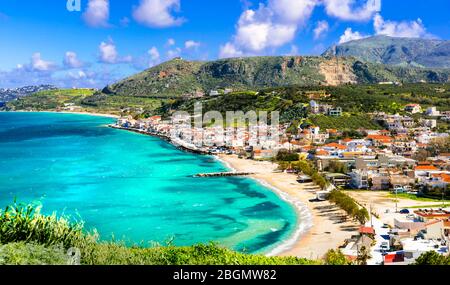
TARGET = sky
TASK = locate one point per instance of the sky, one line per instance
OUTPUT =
(92, 43)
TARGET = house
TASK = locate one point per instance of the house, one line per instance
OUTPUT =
(380, 182)
(359, 179)
(214, 93)
(366, 231)
(314, 106)
(335, 112)
(335, 148)
(338, 179)
(429, 123)
(432, 112)
(424, 171)
(380, 140)
(413, 108)
(429, 215)
(440, 180)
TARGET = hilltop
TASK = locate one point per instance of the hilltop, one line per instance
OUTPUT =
(181, 78)
(9, 94)
(427, 53)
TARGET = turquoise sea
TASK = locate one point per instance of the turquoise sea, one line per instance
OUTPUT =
(133, 187)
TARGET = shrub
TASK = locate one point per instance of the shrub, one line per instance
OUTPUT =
(25, 223)
(336, 257)
(284, 155)
(432, 258)
(31, 254)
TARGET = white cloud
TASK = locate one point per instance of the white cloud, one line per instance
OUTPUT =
(270, 26)
(158, 13)
(348, 10)
(229, 50)
(109, 54)
(321, 28)
(176, 52)
(191, 44)
(170, 42)
(71, 60)
(292, 11)
(412, 29)
(97, 13)
(349, 35)
(154, 55)
(38, 64)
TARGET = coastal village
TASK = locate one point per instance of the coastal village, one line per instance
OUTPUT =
(407, 157)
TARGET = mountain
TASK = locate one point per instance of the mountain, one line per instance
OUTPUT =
(179, 77)
(426, 53)
(7, 94)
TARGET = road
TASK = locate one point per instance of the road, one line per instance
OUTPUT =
(380, 236)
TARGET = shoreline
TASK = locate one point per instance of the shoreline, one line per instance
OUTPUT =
(304, 216)
(318, 228)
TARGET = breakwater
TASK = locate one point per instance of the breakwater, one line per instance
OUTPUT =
(163, 137)
(224, 174)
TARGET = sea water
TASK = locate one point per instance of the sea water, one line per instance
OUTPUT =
(132, 187)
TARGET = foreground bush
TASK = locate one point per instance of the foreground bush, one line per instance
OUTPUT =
(25, 223)
(27, 237)
(432, 258)
(31, 254)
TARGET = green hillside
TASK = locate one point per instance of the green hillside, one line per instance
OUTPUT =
(181, 78)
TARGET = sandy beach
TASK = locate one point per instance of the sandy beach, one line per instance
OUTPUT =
(321, 226)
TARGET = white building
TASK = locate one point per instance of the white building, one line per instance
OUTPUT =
(432, 112)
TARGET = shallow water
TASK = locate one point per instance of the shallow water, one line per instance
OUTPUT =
(133, 187)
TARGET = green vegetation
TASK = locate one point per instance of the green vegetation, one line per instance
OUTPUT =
(351, 122)
(32, 254)
(292, 102)
(432, 258)
(422, 197)
(178, 78)
(306, 168)
(335, 166)
(349, 205)
(51, 99)
(284, 155)
(336, 257)
(27, 237)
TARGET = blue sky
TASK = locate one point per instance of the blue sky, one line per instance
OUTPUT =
(44, 42)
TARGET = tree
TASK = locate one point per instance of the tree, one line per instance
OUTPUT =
(363, 256)
(362, 215)
(336, 257)
(285, 155)
(337, 167)
(432, 258)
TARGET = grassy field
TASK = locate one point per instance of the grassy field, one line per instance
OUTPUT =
(415, 197)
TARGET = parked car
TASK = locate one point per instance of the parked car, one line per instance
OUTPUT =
(404, 211)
